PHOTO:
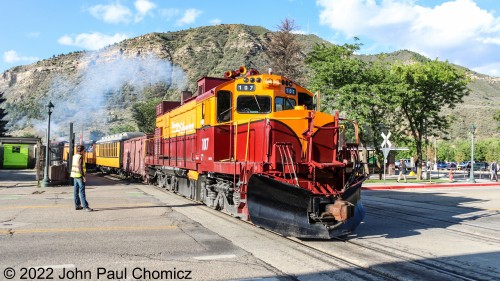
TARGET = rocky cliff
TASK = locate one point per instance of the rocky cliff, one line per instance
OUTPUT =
(96, 89)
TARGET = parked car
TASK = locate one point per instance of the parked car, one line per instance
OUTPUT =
(442, 165)
(463, 165)
(481, 166)
(407, 161)
(452, 166)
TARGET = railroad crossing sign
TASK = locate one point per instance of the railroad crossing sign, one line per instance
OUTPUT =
(386, 145)
(386, 141)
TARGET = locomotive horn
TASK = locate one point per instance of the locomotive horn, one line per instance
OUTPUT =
(235, 73)
(229, 74)
(242, 70)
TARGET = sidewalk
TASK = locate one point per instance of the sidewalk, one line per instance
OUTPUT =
(18, 178)
(437, 182)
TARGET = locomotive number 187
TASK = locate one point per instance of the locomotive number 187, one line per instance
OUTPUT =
(204, 144)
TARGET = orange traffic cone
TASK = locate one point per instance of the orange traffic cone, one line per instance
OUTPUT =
(451, 175)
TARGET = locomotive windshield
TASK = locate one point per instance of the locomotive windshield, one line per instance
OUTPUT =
(283, 104)
(253, 104)
(307, 100)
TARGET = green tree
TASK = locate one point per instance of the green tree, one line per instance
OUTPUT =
(122, 129)
(462, 151)
(361, 90)
(423, 90)
(497, 118)
(144, 115)
(3, 113)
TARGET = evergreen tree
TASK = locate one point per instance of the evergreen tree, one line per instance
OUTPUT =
(3, 113)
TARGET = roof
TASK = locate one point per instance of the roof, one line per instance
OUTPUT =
(120, 137)
(19, 140)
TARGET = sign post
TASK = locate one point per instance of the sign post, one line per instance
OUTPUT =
(386, 148)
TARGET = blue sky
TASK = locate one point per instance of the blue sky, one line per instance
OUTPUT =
(466, 32)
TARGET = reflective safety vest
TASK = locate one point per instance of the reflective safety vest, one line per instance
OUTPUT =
(75, 172)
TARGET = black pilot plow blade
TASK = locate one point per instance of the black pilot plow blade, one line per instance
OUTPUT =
(293, 211)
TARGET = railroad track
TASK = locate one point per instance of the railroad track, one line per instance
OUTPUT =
(375, 261)
(418, 219)
(361, 260)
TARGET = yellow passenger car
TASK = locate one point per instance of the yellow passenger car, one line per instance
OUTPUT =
(108, 151)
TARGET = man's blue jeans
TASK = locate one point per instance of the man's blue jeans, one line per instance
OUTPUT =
(80, 190)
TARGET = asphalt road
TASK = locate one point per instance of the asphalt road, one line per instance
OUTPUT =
(140, 232)
(39, 228)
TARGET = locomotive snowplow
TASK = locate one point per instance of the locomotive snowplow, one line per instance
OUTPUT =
(294, 211)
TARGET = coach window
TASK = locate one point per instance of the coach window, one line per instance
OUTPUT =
(224, 104)
(253, 104)
(281, 103)
(307, 100)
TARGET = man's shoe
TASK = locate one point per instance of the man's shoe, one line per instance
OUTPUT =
(79, 208)
(88, 210)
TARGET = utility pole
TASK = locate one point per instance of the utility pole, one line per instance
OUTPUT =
(471, 176)
(46, 181)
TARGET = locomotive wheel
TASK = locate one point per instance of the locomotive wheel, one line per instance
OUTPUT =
(162, 181)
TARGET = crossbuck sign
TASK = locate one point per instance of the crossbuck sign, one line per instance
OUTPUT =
(386, 145)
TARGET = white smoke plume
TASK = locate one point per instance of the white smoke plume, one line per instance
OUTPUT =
(85, 101)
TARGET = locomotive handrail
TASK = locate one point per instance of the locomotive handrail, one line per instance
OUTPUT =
(235, 137)
(356, 128)
(248, 138)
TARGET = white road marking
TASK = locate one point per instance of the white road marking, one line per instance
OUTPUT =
(217, 257)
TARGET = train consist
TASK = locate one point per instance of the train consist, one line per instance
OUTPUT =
(254, 146)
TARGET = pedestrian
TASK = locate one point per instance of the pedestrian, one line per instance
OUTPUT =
(78, 171)
(494, 170)
(468, 169)
(402, 169)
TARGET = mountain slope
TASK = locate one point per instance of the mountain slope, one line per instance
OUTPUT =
(96, 89)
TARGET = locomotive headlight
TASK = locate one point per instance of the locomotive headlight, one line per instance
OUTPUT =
(269, 82)
(276, 82)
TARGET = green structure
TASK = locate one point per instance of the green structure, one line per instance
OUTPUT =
(15, 156)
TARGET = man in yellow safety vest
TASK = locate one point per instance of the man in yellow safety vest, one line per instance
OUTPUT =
(78, 171)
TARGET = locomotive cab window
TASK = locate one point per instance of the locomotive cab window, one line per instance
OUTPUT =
(253, 104)
(224, 101)
(307, 100)
(283, 104)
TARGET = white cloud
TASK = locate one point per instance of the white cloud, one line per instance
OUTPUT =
(143, 8)
(457, 30)
(215, 22)
(299, 31)
(113, 13)
(492, 69)
(12, 57)
(189, 17)
(168, 14)
(91, 41)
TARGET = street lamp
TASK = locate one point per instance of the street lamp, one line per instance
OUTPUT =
(471, 176)
(45, 181)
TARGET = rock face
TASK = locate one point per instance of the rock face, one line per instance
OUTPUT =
(96, 89)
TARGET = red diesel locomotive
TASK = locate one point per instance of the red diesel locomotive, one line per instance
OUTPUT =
(255, 146)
